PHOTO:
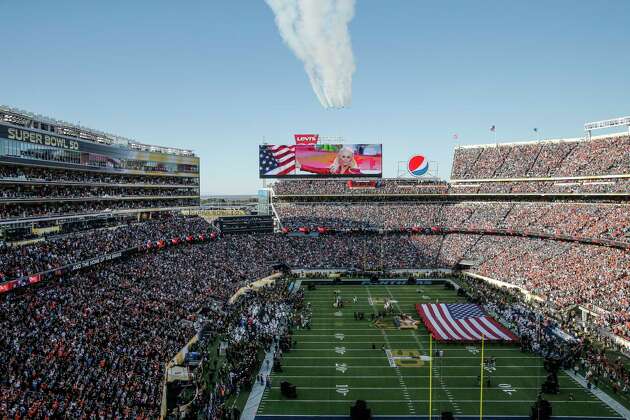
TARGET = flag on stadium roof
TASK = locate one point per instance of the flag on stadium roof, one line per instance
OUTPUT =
(462, 322)
(277, 159)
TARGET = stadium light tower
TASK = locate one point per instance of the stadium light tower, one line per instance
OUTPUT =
(600, 125)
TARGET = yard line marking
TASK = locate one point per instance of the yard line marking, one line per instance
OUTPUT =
(347, 335)
(443, 357)
(436, 373)
(373, 376)
(406, 376)
(445, 401)
(420, 388)
(378, 357)
(351, 342)
(402, 383)
(407, 367)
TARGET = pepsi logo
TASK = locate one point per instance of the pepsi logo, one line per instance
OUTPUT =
(418, 165)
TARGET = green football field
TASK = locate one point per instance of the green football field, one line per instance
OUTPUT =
(334, 364)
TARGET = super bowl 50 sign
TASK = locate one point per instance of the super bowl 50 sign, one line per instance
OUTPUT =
(418, 165)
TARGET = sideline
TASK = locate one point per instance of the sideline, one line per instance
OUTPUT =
(255, 396)
(601, 395)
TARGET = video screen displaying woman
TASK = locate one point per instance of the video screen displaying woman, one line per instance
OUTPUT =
(339, 160)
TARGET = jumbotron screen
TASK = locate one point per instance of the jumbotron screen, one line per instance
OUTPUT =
(321, 160)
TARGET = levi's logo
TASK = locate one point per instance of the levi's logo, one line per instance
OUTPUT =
(306, 138)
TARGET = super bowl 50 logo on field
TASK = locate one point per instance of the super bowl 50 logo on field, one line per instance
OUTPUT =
(418, 165)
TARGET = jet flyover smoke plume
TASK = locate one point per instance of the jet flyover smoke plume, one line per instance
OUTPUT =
(317, 32)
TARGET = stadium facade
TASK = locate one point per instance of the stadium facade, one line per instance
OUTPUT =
(56, 176)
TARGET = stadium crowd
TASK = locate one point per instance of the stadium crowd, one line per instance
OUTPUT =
(336, 187)
(585, 220)
(555, 186)
(46, 192)
(23, 174)
(258, 322)
(564, 273)
(542, 331)
(17, 211)
(607, 155)
(33, 258)
(410, 187)
(92, 344)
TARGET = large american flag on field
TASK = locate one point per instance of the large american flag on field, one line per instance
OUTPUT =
(461, 322)
(276, 160)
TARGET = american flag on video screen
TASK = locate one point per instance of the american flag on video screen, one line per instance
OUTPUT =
(461, 322)
(276, 159)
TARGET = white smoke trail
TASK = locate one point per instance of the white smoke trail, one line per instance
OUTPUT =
(317, 32)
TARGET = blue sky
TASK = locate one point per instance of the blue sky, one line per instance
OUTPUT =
(215, 76)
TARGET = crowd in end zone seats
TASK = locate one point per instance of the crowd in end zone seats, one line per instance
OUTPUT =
(568, 158)
(583, 220)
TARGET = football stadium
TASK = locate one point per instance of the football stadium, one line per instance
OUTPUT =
(502, 292)
(487, 276)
